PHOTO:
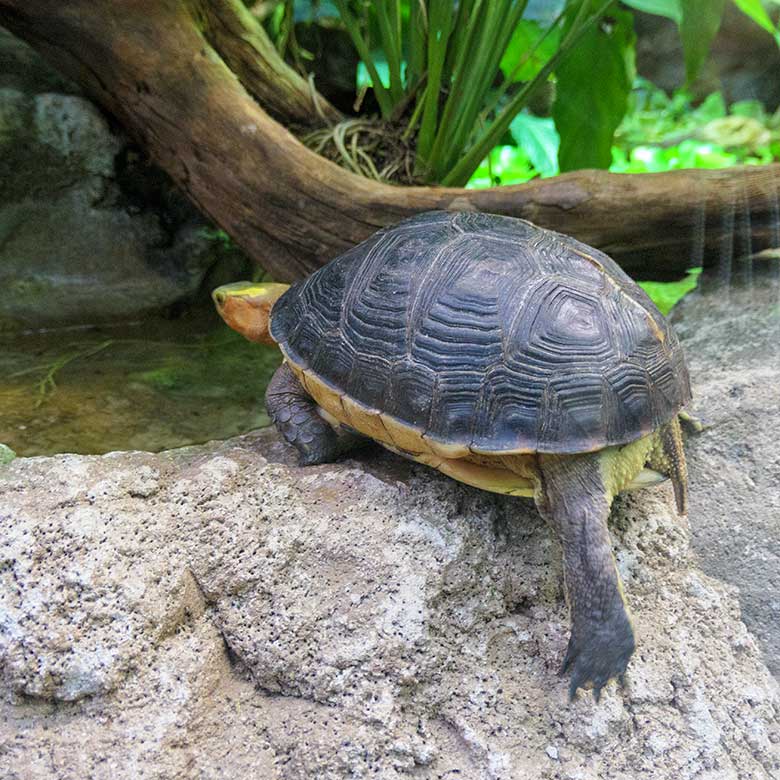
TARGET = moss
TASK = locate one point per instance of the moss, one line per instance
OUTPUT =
(6, 454)
(10, 325)
(32, 170)
(29, 287)
(220, 364)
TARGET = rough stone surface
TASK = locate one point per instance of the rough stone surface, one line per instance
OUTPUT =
(218, 612)
(743, 60)
(732, 340)
(23, 69)
(88, 233)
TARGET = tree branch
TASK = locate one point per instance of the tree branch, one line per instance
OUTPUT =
(150, 64)
(243, 44)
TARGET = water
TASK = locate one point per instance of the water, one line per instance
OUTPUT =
(148, 386)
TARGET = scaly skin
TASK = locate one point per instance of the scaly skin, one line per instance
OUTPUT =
(574, 500)
(297, 418)
(574, 494)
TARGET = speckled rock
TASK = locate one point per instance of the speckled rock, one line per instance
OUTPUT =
(219, 612)
(732, 339)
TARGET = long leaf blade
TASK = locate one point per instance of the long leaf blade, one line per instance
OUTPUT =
(698, 27)
(593, 84)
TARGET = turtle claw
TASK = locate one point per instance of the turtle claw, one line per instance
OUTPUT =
(568, 658)
(597, 656)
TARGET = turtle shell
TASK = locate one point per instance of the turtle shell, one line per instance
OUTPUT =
(487, 334)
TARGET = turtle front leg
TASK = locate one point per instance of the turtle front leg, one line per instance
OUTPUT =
(296, 416)
(574, 500)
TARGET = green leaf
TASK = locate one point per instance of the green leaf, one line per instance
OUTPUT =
(752, 108)
(6, 454)
(593, 84)
(504, 165)
(527, 50)
(698, 27)
(383, 96)
(756, 11)
(713, 107)
(440, 21)
(666, 294)
(539, 139)
(381, 68)
(671, 9)
(582, 18)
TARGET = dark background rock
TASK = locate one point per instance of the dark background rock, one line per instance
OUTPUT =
(744, 62)
(22, 69)
(90, 232)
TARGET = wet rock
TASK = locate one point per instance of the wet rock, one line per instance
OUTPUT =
(22, 69)
(731, 335)
(77, 246)
(743, 60)
(219, 612)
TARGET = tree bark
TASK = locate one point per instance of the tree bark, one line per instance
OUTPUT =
(194, 83)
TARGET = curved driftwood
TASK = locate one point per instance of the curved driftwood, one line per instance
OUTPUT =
(194, 82)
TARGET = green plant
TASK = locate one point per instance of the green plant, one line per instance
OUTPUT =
(666, 294)
(458, 74)
(658, 133)
(455, 72)
(47, 383)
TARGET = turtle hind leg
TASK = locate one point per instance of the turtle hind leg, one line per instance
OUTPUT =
(574, 500)
(668, 457)
(296, 416)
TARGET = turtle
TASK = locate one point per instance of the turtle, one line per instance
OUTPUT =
(508, 356)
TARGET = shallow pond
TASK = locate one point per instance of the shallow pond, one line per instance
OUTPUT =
(151, 385)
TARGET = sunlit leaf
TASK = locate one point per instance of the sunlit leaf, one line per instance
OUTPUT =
(593, 84)
(504, 165)
(752, 108)
(544, 11)
(671, 9)
(539, 140)
(756, 11)
(363, 77)
(308, 12)
(525, 50)
(698, 27)
(666, 294)
(713, 107)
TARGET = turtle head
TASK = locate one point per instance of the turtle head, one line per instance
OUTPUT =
(246, 307)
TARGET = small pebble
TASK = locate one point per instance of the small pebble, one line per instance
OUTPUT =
(552, 751)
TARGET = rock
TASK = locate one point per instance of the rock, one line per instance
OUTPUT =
(732, 343)
(88, 233)
(75, 130)
(217, 611)
(23, 69)
(743, 61)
